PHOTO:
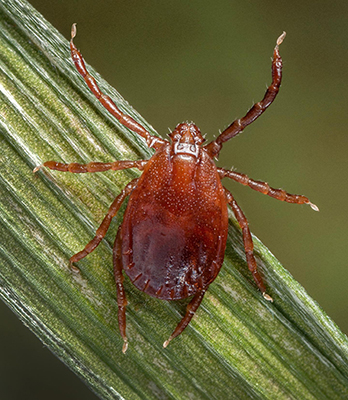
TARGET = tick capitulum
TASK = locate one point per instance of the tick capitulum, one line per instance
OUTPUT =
(172, 240)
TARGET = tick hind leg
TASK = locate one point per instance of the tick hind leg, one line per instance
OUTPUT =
(248, 244)
(190, 312)
(104, 226)
(121, 295)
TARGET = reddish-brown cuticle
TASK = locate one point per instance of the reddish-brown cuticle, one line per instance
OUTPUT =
(172, 240)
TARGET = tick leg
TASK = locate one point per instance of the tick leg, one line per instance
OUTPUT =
(105, 100)
(264, 188)
(248, 244)
(190, 311)
(76, 168)
(238, 125)
(121, 295)
(104, 226)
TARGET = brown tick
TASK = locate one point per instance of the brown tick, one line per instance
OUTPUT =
(172, 240)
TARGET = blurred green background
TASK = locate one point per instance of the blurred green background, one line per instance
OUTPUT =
(208, 61)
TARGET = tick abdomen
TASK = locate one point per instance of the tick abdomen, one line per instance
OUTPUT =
(170, 244)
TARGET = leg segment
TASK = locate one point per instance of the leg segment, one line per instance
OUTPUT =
(121, 295)
(190, 311)
(104, 226)
(126, 120)
(264, 188)
(92, 166)
(248, 244)
(238, 125)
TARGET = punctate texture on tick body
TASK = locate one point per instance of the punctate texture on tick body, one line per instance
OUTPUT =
(172, 240)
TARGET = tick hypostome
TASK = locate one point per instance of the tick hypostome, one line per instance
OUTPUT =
(172, 240)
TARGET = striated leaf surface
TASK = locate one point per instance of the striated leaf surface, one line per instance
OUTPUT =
(237, 347)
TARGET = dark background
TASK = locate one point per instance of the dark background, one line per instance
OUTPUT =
(208, 61)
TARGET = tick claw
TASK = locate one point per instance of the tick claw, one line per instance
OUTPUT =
(267, 297)
(313, 206)
(37, 168)
(125, 346)
(73, 31)
(165, 344)
(281, 38)
(73, 268)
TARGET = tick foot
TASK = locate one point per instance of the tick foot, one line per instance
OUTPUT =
(125, 346)
(37, 168)
(73, 267)
(313, 206)
(165, 344)
(281, 38)
(267, 297)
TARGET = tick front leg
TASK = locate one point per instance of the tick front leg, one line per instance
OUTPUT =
(105, 100)
(190, 312)
(257, 109)
(104, 226)
(121, 295)
(77, 168)
(263, 187)
(248, 244)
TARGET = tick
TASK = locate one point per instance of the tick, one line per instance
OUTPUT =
(172, 240)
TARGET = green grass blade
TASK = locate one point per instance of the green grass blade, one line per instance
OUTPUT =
(237, 347)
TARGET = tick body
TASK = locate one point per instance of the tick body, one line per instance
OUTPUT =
(172, 240)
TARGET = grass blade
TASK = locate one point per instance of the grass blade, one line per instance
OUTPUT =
(238, 347)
